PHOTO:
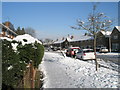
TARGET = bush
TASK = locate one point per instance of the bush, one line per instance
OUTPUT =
(39, 52)
(24, 40)
(14, 63)
(12, 69)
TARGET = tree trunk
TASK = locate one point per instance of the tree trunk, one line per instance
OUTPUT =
(109, 43)
(96, 62)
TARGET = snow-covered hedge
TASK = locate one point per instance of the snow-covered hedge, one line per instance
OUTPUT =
(16, 55)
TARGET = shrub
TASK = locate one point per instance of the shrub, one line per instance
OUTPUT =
(12, 69)
(24, 40)
(14, 63)
(39, 52)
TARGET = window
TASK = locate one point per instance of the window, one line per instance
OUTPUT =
(115, 37)
(88, 51)
(115, 47)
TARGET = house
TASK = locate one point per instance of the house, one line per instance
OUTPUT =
(103, 39)
(81, 41)
(108, 39)
(115, 39)
(7, 30)
(85, 41)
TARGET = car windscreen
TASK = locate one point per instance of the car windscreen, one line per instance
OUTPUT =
(85, 51)
(76, 50)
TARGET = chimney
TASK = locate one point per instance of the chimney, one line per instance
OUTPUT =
(7, 24)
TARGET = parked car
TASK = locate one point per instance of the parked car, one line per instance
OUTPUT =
(85, 54)
(103, 50)
(72, 51)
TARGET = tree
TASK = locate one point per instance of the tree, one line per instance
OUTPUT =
(30, 31)
(95, 23)
(48, 41)
(19, 31)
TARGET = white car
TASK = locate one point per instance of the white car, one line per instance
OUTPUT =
(103, 50)
(85, 54)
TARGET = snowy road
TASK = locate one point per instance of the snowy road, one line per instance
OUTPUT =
(66, 72)
(113, 57)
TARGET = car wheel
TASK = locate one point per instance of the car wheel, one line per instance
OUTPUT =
(81, 58)
(75, 57)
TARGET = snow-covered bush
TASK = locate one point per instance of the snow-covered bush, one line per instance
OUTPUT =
(12, 68)
(16, 56)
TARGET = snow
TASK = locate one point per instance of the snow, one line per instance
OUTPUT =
(80, 38)
(106, 33)
(14, 46)
(28, 37)
(67, 72)
(60, 41)
(112, 54)
(6, 38)
(20, 38)
(10, 67)
(118, 27)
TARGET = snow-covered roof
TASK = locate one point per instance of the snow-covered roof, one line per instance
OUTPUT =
(118, 27)
(106, 33)
(59, 41)
(80, 38)
(6, 38)
(7, 28)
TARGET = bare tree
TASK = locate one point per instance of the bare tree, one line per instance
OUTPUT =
(47, 40)
(30, 31)
(95, 23)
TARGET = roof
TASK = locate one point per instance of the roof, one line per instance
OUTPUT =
(80, 38)
(106, 33)
(7, 28)
(118, 27)
(75, 47)
(59, 41)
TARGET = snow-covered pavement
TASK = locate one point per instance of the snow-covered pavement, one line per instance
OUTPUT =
(66, 72)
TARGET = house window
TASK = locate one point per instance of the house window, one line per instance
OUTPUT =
(115, 37)
(115, 47)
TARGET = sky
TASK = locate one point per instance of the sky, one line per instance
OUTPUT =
(53, 19)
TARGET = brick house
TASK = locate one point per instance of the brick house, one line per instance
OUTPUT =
(115, 39)
(7, 30)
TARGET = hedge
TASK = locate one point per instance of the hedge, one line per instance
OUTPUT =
(14, 62)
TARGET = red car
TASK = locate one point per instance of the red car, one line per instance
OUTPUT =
(72, 51)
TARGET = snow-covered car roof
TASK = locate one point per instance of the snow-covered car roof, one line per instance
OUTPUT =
(86, 49)
(75, 47)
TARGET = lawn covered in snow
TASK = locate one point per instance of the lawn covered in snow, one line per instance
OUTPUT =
(67, 72)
